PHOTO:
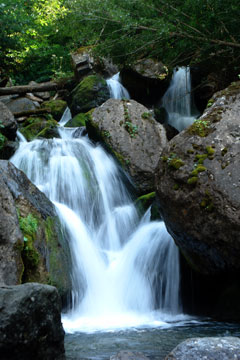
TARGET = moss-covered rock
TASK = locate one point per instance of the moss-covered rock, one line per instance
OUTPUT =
(77, 121)
(145, 201)
(57, 107)
(35, 127)
(90, 93)
(32, 245)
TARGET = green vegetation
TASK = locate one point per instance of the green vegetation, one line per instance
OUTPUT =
(173, 161)
(36, 36)
(29, 226)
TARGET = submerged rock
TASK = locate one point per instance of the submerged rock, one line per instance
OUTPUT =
(90, 93)
(32, 247)
(132, 135)
(199, 188)
(129, 355)
(208, 348)
(30, 323)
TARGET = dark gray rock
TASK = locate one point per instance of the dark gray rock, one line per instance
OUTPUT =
(128, 355)
(8, 123)
(21, 104)
(27, 214)
(133, 136)
(90, 93)
(209, 348)
(198, 183)
(30, 323)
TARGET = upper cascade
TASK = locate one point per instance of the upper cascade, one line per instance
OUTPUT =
(117, 90)
(177, 100)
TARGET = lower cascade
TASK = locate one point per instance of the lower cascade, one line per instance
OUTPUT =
(177, 100)
(125, 267)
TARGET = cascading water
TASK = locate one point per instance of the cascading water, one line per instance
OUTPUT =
(125, 268)
(116, 89)
(177, 100)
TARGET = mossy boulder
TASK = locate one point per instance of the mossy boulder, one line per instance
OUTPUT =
(90, 93)
(32, 246)
(77, 121)
(35, 127)
(56, 107)
(132, 135)
(198, 186)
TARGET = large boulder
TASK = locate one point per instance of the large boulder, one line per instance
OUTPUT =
(134, 137)
(57, 107)
(8, 124)
(198, 186)
(90, 93)
(32, 247)
(30, 323)
(208, 348)
(35, 127)
(21, 104)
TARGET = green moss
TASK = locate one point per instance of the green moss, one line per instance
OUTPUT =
(200, 128)
(192, 180)
(210, 151)
(3, 141)
(56, 107)
(78, 121)
(146, 115)
(224, 151)
(207, 203)
(29, 226)
(143, 202)
(200, 158)
(190, 151)
(38, 127)
(198, 169)
(176, 187)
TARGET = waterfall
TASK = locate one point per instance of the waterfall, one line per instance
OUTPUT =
(116, 89)
(177, 100)
(125, 267)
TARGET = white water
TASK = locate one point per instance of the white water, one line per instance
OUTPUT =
(117, 90)
(125, 268)
(177, 100)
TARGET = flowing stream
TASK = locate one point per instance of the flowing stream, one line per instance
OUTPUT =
(177, 100)
(116, 89)
(125, 267)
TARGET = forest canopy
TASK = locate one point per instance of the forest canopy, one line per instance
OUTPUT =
(36, 37)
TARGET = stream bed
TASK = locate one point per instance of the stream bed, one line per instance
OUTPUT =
(155, 343)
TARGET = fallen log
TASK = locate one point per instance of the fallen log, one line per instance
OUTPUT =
(23, 89)
(31, 112)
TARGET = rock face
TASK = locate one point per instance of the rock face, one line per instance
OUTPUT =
(146, 80)
(198, 184)
(30, 323)
(7, 122)
(133, 136)
(21, 104)
(90, 93)
(226, 348)
(32, 247)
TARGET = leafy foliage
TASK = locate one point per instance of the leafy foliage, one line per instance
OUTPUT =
(173, 31)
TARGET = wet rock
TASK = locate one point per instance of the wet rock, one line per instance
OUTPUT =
(32, 246)
(7, 149)
(30, 323)
(199, 188)
(132, 135)
(8, 124)
(82, 63)
(39, 127)
(209, 348)
(129, 355)
(90, 93)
